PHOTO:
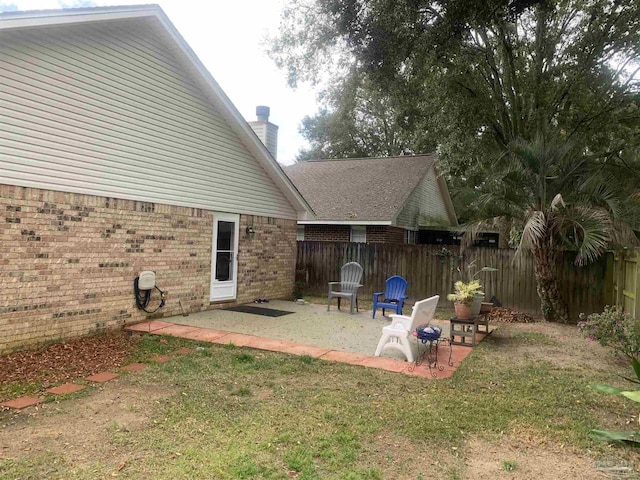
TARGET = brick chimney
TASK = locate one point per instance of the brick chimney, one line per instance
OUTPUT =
(266, 131)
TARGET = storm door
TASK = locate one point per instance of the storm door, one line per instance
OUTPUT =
(224, 257)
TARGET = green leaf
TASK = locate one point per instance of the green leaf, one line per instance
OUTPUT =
(610, 436)
(633, 395)
(488, 269)
(601, 387)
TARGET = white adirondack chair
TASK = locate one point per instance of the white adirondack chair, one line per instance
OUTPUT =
(399, 335)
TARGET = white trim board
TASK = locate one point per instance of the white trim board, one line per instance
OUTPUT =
(344, 222)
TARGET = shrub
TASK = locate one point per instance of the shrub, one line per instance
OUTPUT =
(614, 328)
(465, 292)
(298, 289)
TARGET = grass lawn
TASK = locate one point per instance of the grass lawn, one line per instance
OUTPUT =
(518, 407)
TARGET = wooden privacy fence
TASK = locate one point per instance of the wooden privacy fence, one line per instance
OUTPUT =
(431, 270)
(624, 280)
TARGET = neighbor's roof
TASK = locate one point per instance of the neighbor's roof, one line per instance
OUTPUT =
(215, 94)
(359, 189)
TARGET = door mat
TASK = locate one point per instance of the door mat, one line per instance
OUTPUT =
(267, 312)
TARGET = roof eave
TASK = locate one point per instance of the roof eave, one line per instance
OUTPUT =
(39, 18)
(344, 222)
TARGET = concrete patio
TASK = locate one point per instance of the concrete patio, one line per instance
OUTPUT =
(309, 330)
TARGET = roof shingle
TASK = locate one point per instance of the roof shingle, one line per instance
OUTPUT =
(359, 189)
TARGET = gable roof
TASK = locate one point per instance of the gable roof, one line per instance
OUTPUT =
(360, 190)
(190, 62)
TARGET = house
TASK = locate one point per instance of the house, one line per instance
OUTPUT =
(372, 200)
(119, 153)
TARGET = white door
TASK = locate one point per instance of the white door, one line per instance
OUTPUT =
(224, 256)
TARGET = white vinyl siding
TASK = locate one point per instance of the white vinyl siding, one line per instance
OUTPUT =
(426, 200)
(106, 110)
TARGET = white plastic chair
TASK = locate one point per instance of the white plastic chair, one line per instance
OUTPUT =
(399, 335)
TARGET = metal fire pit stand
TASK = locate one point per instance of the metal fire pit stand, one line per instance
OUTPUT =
(427, 351)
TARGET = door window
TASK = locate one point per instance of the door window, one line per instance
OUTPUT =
(224, 251)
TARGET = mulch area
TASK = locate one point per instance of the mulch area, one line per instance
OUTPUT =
(507, 315)
(59, 362)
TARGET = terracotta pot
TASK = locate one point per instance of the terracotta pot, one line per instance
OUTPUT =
(463, 312)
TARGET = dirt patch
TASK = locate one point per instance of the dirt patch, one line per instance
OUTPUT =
(404, 460)
(565, 347)
(515, 458)
(54, 427)
(60, 362)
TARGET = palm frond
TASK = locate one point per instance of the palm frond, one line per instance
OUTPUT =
(585, 229)
(527, 154)
(491, 205)
(557, 201)
(535, 227)
(630, 211)
(600, 190)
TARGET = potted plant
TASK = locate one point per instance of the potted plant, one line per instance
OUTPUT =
(471, 272)
(463, 296)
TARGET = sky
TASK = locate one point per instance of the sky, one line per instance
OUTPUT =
(227, 36)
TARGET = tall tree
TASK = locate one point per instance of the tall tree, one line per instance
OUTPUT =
(360, 120)
(477, 75)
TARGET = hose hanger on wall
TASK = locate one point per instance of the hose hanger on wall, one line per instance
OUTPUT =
(142, 287)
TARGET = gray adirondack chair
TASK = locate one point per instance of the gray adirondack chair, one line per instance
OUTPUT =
(347, 287)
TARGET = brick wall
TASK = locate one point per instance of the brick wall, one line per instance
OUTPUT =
(267, 262)
(342, 233)
(327, 233)
(385, 234)
(68, 261)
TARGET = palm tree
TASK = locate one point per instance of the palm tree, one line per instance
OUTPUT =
(559, 201)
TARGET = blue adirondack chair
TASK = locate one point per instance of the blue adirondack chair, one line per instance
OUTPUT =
(393, 296)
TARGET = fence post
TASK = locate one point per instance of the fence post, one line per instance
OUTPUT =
(618, 278)
(636, 278)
